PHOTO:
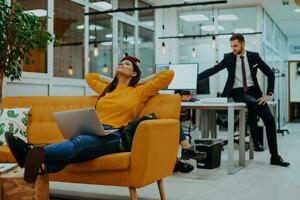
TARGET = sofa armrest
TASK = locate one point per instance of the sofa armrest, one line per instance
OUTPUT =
(154, 151)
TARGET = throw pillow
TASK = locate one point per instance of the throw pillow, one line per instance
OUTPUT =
(14, 120)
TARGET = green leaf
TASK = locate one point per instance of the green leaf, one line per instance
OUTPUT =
(20, 33)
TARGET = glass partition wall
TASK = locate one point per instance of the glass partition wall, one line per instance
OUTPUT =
(100, 44)
(145, 44)
(262, 35)
(77, 35)
(39, 56)
(69, 32)
(275, 49)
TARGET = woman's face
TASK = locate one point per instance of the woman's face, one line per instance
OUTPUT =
(125, 68)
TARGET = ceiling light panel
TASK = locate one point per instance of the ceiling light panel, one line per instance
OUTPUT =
(212, 28)
(227, 17)
(103, 5)
(194, 17)
(243, 30)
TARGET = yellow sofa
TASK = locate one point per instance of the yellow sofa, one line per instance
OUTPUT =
(154, 147)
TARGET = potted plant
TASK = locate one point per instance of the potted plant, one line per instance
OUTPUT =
(20, 33)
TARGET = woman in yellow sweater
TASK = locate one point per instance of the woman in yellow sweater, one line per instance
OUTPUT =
(120, 101)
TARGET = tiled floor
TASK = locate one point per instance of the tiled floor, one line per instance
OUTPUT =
(258, 181)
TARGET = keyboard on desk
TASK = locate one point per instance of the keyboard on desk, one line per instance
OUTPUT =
(190, 100)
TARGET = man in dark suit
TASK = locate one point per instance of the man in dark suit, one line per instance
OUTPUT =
(242, 86)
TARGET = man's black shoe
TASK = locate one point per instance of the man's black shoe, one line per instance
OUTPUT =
(18, 148)
(183, 167)
(277, 160)
(192, 153)
(258, 147)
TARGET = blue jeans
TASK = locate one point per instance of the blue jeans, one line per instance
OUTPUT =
(181, 134)
(80, 148)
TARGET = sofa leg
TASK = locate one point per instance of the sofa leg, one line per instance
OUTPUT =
(161, 188)
(133, 194)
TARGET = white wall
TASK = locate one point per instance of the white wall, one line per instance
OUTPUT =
(32, 84)
(294, 83)
(293, 41)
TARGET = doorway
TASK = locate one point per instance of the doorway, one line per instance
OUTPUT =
(294, 95)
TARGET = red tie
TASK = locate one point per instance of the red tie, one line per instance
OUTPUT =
(244, 74)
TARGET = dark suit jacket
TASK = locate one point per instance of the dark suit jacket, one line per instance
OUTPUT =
(229, 62)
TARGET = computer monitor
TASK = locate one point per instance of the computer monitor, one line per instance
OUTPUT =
(185, 75)
(203, 86)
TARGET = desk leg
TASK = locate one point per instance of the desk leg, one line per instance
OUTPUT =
(242, 161)
(213, 124)
(197, 119)
(202, 123)
(204, 128)
(251, 148)
(230, 135)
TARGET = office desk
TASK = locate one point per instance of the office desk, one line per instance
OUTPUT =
(230, 107)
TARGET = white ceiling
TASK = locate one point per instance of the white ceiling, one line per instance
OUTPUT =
(284, 15)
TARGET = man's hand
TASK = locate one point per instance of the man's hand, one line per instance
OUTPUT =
(263, 100)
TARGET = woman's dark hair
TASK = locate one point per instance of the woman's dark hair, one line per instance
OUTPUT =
(133, 81)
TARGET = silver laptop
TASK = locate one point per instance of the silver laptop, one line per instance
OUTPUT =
(80, 122)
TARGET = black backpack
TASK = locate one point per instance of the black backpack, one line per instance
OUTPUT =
(127, 133)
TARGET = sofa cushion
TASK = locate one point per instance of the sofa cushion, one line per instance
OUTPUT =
(42, 128)
(164, 106)
(14, 120)
(116, 161)
(6, 155)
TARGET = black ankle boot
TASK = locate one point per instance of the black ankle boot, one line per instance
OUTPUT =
(18, 148)
(192, 153)
(258, 147)
(33, 163)
(183, 167)
(277, 160)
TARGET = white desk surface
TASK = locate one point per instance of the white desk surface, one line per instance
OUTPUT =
(216, 105)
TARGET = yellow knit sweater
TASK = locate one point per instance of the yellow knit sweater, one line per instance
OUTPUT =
(122, 105)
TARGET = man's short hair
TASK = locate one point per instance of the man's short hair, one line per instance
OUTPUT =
(237, 36)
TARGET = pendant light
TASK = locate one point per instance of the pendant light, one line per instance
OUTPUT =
(70, 71)
(163, 48)
(70, 68)
(194, 53)
(96, 51)
(213, 42)
(163, 45)
(105, 68)
(126, 37)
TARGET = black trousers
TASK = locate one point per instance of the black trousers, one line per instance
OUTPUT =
(261, 111)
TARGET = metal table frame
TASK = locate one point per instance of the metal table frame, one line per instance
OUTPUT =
(230, 107)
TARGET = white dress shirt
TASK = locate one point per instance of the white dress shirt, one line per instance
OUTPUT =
(238, 82)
